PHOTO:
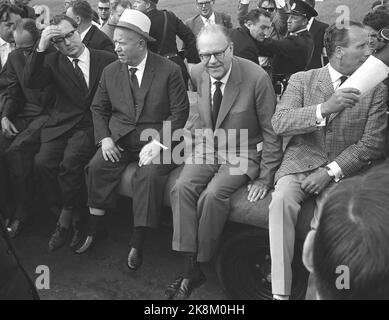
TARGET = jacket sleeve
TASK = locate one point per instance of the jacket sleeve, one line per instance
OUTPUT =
(101, 110)
(37, 74)
(189, 40)
(272, 144)
(15, 98)
(372, 143)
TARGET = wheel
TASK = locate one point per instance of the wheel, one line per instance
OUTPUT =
(243, 266)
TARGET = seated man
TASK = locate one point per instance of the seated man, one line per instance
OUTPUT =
(206, 15)
(137, 95)
(335, 133)
(236, 102)
(348, 254)
(21, 121)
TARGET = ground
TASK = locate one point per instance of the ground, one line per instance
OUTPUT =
(186, 8)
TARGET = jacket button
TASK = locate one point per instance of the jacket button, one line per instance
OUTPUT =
(329, 131)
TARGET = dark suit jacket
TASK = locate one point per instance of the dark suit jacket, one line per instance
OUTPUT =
(317, 30)
(248, 104)
(14, 281)
(290, 55)
(96, 39)
(244, 45)
(196, 23)
(71, 106)
(163, 97)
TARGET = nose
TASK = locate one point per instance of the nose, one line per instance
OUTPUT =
(66, 41)
(212, 60)
(117, 47)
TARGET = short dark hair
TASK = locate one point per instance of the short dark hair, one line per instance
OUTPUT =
(83, 9)
(335, 36)
(7, 8)
(30, 26)
(354, 232)
(253, 15)
(63, 17)
(104, 1)
(376, 20)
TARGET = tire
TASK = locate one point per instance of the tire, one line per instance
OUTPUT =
(243, 267)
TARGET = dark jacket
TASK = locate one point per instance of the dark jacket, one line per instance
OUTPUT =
(71, 106)
(318, 30)
(14, 281)
(196, 23)
(244, 45)
(290, 55)
(96, 39)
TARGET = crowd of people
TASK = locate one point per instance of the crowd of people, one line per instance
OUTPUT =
(79, 91)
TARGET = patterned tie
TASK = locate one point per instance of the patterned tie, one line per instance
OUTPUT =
(217, 101)
(134, 78)
(80, 76)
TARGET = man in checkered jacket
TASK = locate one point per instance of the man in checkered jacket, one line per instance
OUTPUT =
(332, 134)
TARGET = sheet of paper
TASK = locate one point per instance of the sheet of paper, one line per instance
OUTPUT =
(369, 75)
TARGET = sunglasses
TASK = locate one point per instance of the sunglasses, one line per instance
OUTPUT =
(68, 36)
(103, 8)
(268, 9)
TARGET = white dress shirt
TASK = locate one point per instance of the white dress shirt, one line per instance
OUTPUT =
(5, 49)
(83, 34)
(83, 63)
(210, 20)
(222, 80)
(310, 22)
(321, 122)
(140, 69)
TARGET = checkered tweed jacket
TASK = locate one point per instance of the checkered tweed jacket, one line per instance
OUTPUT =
(352, 138)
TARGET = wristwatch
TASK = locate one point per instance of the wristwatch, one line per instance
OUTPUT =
(330, 172)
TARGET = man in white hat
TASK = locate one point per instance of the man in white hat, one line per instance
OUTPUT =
(137, 93)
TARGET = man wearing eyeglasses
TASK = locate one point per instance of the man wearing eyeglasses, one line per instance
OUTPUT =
(104, 10)
(235, 100)
(67, 142)
(21, 120)
(206, 15)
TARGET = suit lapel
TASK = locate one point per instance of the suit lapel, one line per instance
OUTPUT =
(147, 79)
(231, 91)
(205, 107)
(88, 36)
(68, 70)
(124, 82)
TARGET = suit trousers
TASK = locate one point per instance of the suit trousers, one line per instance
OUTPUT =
(201, 205)
(284, 209)
(16, 165)
(60, 164)
(148, 183)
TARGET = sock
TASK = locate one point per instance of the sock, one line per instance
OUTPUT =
(191, 266)
(65, 218)
(280, 297)
(138, 237)
(95, 224)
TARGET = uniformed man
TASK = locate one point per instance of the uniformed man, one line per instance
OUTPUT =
(292, 54)
(165, 26)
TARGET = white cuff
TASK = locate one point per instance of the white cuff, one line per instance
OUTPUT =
(160, 145)
(245, 1)
(320, 121)
(337, 171)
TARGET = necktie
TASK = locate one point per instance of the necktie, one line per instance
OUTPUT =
(217, 101)
(134, 78)
(80, 75)
(343, 79)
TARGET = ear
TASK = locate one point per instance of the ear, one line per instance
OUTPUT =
(308, 251)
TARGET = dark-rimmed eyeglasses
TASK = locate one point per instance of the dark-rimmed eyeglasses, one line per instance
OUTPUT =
(104, 8)
(204, 4)
(271, 10)
(219, 55)
(68, 36)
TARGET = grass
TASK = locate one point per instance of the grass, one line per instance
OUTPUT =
(186, 8)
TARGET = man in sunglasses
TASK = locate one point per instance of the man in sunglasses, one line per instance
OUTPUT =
(21, 121)
(235, 100)
(67, 141)
(206, 15)
(104, 10)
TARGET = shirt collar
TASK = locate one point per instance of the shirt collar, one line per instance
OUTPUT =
(224, 79)
(297, 32)
(83, 57)
(334, 74)
(83, 34)
(310, 22)
(141, 65)
(2, 42)
(211, 18)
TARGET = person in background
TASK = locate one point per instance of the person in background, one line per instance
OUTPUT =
(374, 22)
(28, 12)
(206, 15)
(104, 10)
(117, 9)
(166, 38)
(81, 12)
(351, 240)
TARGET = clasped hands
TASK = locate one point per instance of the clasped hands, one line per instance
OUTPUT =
(112, 152)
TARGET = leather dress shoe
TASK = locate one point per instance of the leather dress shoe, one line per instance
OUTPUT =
(135, 259)
(78, 236)
(188, 285)
(172, 289)
(58, 238)
(14, 228)
(90, 241)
